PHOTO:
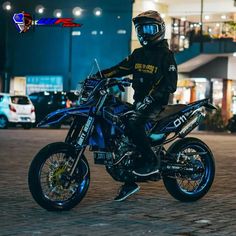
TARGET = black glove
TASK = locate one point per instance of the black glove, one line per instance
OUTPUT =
(146, 102)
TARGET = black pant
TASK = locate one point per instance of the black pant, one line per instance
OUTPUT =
(136, 129)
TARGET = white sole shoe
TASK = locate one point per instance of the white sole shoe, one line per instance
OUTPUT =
(146, 174)
(123, 198)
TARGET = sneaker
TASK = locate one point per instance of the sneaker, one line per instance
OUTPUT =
(146, 170)
(126, 190)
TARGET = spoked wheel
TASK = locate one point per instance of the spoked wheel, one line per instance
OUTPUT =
(49, 181)
(197, 156)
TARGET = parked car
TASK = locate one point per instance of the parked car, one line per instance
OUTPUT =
(47, 102)
(16, 109)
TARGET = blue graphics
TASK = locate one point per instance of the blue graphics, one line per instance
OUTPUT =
(24, 21)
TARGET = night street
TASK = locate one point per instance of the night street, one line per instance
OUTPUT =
(152, 211)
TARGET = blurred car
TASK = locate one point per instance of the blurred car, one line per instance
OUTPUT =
(16, 109)
(47, 102)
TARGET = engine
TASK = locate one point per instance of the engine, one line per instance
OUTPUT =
(125, 150)
(124, 161)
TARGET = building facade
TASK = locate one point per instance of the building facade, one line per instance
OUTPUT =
(69, 53)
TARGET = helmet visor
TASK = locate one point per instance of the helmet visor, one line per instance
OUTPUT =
(150, 29)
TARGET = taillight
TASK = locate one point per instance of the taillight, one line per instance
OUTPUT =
(12, 108)
(32, 110)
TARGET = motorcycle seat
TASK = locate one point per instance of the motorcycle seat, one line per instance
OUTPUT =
(169, 110)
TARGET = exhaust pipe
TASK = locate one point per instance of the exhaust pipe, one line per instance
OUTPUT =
(192, 124)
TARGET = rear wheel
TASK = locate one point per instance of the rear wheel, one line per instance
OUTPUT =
(3, 122)
(197, 155)
(48, 177)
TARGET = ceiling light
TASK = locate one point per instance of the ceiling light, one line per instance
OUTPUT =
(234, 54)
(163, 15)
(223, 17)
(183, 18)
(39, 9)
(207, 17)
(97, 11)
(6, 6)
(77, 11)
(57, 13)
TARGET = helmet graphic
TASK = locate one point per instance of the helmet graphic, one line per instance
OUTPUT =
(23, 21)
(150, 27)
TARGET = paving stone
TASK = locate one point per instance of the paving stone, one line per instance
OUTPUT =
(152, 211)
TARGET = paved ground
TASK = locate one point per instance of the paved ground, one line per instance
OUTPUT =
(152, 211)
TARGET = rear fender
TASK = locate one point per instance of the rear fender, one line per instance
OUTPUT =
(175, 122)
(58, 116)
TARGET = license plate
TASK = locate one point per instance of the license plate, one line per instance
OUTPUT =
(25, 119)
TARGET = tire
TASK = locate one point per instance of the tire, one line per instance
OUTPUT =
(206, 179)
(49, 155)
(3, 122)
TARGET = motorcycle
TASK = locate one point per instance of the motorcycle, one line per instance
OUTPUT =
(59, 174)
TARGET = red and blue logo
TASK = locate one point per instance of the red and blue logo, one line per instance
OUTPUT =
(24, 21)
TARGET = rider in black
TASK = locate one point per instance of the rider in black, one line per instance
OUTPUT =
(154, 78)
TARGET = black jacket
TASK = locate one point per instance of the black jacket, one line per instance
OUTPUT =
(154, 72)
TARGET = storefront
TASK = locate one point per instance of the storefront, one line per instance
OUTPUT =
(191, 89)
(222, 93)
(233, 109)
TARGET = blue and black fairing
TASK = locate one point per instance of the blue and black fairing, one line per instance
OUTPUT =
(58, 116)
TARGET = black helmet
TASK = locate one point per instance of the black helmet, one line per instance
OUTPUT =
(150, 27)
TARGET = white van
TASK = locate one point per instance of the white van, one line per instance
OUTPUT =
(16, 109)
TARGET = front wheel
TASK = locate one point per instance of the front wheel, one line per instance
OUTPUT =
(197, 155)
(49, 181)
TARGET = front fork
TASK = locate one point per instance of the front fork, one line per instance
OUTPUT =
(85, 132)
(82, 142)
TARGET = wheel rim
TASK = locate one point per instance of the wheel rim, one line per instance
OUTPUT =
(198, 181)
(52, 178)
(3, 122)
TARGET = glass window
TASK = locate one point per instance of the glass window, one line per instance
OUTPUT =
(21, 100)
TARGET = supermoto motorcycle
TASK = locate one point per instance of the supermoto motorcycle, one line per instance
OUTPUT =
(59, 174)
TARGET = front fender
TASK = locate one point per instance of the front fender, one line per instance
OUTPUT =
(58, 116)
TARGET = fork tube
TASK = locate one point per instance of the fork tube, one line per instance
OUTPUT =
(84, 134)
(100, 103)
(76, 162)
